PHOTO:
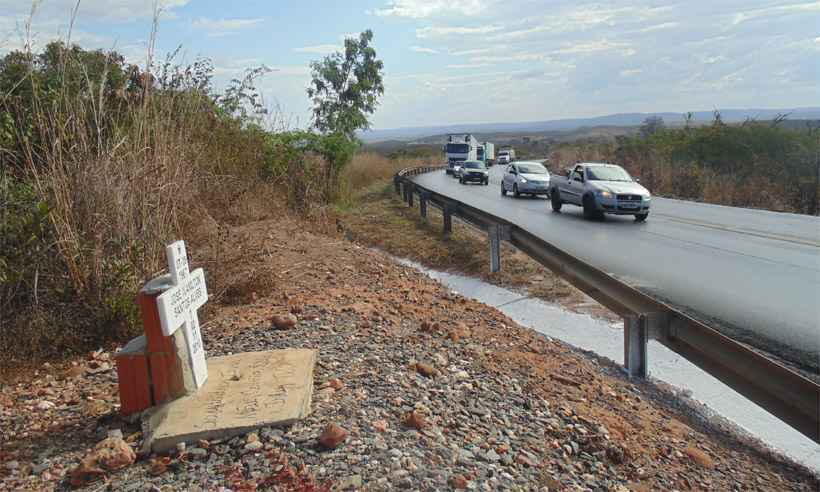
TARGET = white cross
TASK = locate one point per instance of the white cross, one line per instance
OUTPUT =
(177, 307)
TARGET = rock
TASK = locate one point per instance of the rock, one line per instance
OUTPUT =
(415, 420)
(198, 453)
(45, 405)
(285, 322)
(523, 459)
(252, 437)
(158, 466)
(380, 425)
(491, 456)
(700, 457)
(253, 446)
(110, 454)
(351, 482)
(426, 370)
(459, 482)
(462, 375)
(332, 436)
(336, 384)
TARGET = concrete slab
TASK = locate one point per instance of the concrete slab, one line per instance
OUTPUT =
(243, 392)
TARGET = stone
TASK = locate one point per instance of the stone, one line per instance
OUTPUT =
(426, 370)
(380, 425)
(253, 446)
(285, 322)
(243, 392)
(45, 405)
(351, 482)
(459, 482)
(415, 420)
(332, 436)
(700, 457)
(110, 454)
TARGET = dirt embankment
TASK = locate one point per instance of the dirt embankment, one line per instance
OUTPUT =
(433, 390)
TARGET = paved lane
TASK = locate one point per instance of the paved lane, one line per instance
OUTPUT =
(756, 272)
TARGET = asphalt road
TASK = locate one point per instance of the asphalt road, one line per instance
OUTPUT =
(754, 274)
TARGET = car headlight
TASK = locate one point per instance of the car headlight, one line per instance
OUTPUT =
(647, 198)
(605, 194)
(523, 180)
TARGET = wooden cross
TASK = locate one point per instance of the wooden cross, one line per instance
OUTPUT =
(177, 307)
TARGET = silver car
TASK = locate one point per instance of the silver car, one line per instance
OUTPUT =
(525, 177)
(601, 188)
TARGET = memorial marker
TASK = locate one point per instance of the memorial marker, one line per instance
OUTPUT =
(177, 307)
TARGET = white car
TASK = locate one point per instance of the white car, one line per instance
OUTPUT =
(525, 177)
(602, 188)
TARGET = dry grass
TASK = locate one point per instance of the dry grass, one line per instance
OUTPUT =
(381, 220)
(369, 169)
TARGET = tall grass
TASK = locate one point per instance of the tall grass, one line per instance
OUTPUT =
(119, 162)
(368, 169)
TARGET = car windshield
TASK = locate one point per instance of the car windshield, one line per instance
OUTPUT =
(457, 148)
(607, 173)
(474, 165)
(532, 169)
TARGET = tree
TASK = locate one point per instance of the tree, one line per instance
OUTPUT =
(651, 126)
(346, 87)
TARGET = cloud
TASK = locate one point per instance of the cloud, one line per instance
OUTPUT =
(631, 72)
(462, 66)
(319, 49)
(444, 31)
(116, 10)
(777, 10)
(420, 9)
(594, 47)
(224, 27)
(659, 27)
(420, 49)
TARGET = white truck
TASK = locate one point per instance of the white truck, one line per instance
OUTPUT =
(460, 147)
(506, 154)
(486, 153)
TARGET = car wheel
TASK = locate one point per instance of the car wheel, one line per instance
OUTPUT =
(486, 182)
(589, 208)
(641, 217)
(503, 190)
(555, 199)
(461, 181)
(515, 191)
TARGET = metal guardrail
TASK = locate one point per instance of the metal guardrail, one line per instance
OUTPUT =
(784, 393)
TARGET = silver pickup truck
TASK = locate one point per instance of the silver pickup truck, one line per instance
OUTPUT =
(601, 189)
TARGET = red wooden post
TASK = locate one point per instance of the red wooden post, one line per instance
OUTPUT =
(166, 373)
(148, 368)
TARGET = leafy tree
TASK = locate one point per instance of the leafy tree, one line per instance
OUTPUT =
(346, 87)
(651, 126)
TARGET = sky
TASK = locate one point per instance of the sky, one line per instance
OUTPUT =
(474, 61)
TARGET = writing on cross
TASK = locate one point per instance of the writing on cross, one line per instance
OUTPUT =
(177, 307)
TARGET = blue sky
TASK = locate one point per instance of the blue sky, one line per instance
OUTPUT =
(455, 61)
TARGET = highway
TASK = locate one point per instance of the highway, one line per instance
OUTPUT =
(753, 274)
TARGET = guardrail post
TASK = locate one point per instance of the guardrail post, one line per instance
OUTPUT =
(423, 196)
(397, 184)
(636, 333)
(409, 194)
(447, 213)
(494, 234)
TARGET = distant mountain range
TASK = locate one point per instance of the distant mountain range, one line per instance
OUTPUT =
(620, 119)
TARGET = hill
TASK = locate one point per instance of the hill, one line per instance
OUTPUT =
(619, 119)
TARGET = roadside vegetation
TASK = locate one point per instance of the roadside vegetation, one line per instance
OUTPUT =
(768, 165)
(103, 163)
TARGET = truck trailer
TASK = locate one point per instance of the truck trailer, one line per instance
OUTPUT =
(486, 153)
(460, 147)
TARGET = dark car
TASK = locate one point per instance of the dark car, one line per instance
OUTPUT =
(474, 171)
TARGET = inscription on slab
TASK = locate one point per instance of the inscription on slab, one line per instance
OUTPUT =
(177, 307)
(243, 392)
